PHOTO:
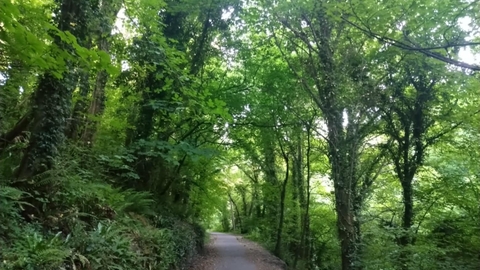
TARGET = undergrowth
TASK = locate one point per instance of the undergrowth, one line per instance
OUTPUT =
(82, 221)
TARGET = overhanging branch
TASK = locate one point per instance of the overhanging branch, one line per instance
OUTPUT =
(424, 50)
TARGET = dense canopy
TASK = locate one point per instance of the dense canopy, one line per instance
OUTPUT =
(338, 134)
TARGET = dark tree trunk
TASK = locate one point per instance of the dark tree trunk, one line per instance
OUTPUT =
(237, 213)
(305, 232)
(244, 201)
(299, 199)
(51, 105)
(408, 213)
(345, 220)
(97, 106)
(270, 199)
(278, 243)
(343, 151)
(407, 123)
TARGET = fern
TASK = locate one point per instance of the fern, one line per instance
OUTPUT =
(35, 251)
(137, 202)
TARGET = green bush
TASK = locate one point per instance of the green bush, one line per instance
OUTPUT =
(127, 243)
(84, 221)
(9, 212)
(36, 251)
(200, 235)
(88, 224)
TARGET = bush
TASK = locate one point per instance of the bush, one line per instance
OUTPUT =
(88, 224)
(200, 235)
(9, 212)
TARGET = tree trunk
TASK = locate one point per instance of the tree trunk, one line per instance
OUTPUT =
(278, 243)
(244, 203)
(299, 200)
(305, 234)
(109, 10)
(97, 107)
(51, 105)
(77, 120)
(408, 210)
(270, 193)
(237, 213)
(407, 222)
(342, 145)
(343, 161)
(232, 216)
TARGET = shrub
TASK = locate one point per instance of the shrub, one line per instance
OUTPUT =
(35, 251)
(10, 205)
(86, 223)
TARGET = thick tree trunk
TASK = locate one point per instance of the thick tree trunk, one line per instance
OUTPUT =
(357, 209)
(97, 107)
(407, 222)
(343, 161)
(244, 203)
(52, 104)
(408, 211)
(232, 215)
(270, 204)
(345, 225)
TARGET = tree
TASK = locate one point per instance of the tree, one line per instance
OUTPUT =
(337, 135)
(52, 99)
(348, 120)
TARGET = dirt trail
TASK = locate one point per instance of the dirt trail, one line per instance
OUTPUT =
(231, 252)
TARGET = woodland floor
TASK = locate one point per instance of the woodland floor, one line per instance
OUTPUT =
(232, 252)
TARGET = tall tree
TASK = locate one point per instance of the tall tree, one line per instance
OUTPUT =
(317, 40)
(412, 121)
(52, 98)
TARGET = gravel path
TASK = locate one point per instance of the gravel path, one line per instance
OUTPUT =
(230, 252)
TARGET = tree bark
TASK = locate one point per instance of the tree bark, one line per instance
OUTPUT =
(77, 120)
(407, 123)
(109, 10)
(299, 198)
(305, 234)
(322, 69)
(278, 243)
(237, 212)
(51, 105)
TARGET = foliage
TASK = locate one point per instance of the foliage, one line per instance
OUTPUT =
(340, 135)
(94, 226)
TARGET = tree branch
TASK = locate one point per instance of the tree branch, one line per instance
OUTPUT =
(21, 126)
(426, 51)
